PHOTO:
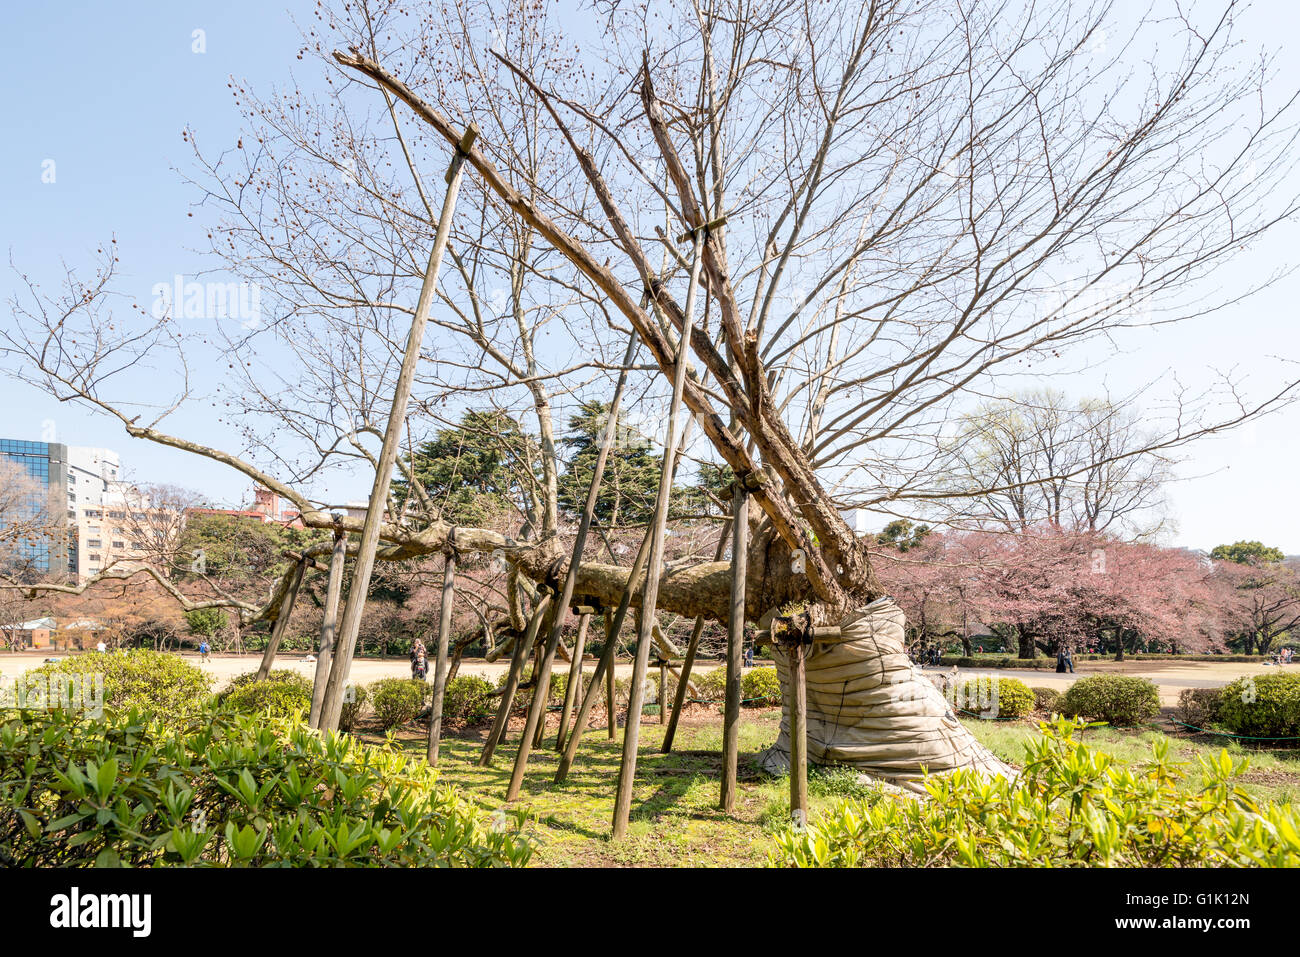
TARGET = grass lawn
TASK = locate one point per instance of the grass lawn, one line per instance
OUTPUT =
(675, 819)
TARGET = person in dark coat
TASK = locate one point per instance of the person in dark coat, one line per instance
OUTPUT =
(1060, 661)
(419, 660)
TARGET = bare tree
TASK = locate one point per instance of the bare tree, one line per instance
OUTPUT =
(1037, 458)
(152, 525)
(923, 201)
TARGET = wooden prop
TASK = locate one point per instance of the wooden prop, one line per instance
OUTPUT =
(325, 654)
(369, 541)
(444, 639)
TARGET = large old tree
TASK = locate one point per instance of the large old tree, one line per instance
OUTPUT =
(924, 202)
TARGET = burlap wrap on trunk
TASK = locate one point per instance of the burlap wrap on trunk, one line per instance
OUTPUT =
(869, 708)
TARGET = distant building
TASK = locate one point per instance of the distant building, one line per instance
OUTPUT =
(266, 508)
(37, 633)
(47, 463)
(49, 633)
(97, 508)
(83, 484)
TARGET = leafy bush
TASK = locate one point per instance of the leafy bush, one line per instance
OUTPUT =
(524, 696)
(1199, 707)
(1267, 706)
(759, 687)
(1047, 699)
(1116, 699)
(233, 790)
(1070, 806)
(281, 693)
(350, 711)
(164, 684)
(467, 699)
(995, 697)
(398, 700)
(712, 684)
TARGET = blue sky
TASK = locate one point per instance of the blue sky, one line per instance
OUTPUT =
(104, 90)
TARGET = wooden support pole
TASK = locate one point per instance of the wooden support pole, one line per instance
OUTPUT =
(605, 666)
(522, 647)
(574, 686)
(663, 691)
(692, 647)
(544, 693)
(444, 640)
(610, 704)
(654, 565)
(325, 654)
(281, 621)
(735, 646)
(536, 724)
(369, 541)
(798, 736)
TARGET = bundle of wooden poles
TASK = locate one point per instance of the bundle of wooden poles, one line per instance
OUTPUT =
(556, 600)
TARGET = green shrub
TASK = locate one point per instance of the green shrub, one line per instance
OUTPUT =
(1047, 700)
(164, 684)
(350, 711)
(994, 697)
(398, 700)
(524, 696)
(712, 685)
(1115, 699)
(759, 687)
(1069, 806)
(468, 699)
(1267, 706)
(281, 693)
(1199, 707)
(232, 790)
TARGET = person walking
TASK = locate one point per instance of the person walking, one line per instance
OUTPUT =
(1060, 661)
(1069, 660)
(203, 650)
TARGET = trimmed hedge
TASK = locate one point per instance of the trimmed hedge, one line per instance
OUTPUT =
(467, 700)
(1115, 699)
(350, 711)
(230, 791)
(162, 683)
(712, 684)
(1047, 700)
(759, 687)
(1199, 707)
(280, 694)
(398, 700)
(1003, 697)
(1267, 706)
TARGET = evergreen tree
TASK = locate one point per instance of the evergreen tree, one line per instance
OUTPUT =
(631, 478)
(477, 471)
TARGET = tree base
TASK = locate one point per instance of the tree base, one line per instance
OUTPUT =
(871, 710)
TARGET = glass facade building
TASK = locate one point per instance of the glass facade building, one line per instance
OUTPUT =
(47, 463)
